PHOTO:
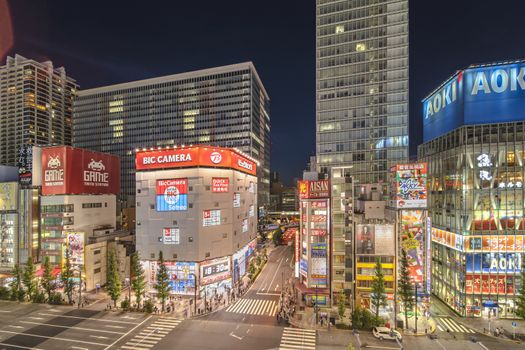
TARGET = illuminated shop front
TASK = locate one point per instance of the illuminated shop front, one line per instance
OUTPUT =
(476, 192)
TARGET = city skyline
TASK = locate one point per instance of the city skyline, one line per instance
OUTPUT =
(117, 51)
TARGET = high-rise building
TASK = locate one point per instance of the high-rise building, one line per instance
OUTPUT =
(36, 106)
(362, 86)
(224, 106)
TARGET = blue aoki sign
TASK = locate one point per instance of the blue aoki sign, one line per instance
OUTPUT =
(493, 263)
(478, 95)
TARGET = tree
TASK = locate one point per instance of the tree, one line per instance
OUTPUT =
(66, 276)
(377, 295)
(47, 283)
(520, 299)
(113, 283)
(138, 282)
(162, 286)
(341, 305)
(17, 292)
(29, 279)
(405, 287)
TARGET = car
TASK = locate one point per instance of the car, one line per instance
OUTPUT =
(386, 333)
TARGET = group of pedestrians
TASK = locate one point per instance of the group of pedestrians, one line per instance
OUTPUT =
(287, 304)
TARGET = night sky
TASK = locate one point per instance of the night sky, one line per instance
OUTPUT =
(108, 42)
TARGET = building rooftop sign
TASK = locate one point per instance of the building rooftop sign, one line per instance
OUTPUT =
(195, 156)
(314, 189)
(482, 94)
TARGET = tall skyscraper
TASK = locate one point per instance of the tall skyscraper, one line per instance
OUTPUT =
(224, 106)
(362, 86)
(36, 106)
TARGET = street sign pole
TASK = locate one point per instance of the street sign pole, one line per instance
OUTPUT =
(514, 324)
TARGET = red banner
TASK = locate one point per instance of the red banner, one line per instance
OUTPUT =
(68, 170)
(192, 157)
(314, 189)
(165, 187)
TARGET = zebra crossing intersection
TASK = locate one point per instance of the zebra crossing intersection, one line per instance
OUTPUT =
(444, 323)
(295, 339)
(258, 307)
(151, 335)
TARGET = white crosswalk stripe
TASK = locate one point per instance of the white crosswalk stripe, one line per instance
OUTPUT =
(259, 307)
(148, 337)
(450, 324)
(295, 339)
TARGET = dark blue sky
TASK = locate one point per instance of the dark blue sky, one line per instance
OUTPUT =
(107, 42)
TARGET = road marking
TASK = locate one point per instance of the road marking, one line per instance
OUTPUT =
(235, 336)
(149, 341)
(131, 330)
(152, 334)
(90, 319)
(55, 338)
(79, 348)
(295, 338)
(440, 328)
(98, 336)
(36, 318)
(113, 326)
(20, 346)
(6, 312)
(453, 326)
(19, 327)
(260, 307)
(80, 328)
(482, 345)
(133, 347)
(441, 345)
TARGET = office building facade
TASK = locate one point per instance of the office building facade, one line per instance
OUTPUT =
(225, 106)
(474, 132)
(36, 106)
(362, 86)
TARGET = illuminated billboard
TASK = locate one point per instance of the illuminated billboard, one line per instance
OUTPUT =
(313, 189)
(211, 217)
(220, 184)
(375, 239)
(181, 275)
(68, 170)
(8, 196)
(487, 94)
(494, 262)
(215, 157)
(215, 270)
(409, 185)
(236, 200)
(172, 195)
(412, 241)
(76, 244)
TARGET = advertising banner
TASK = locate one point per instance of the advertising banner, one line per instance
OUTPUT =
(494, 262)
(375, 239)
(214, 270)
(450, 239)
(251, 211)
(193, 157)
(241, 259)
(181, 280)
(297, 252)
(76, 245)
(220, 184)
(304, 267)
(211, 217)
(318, 260)
(487, 284)
(170, 235)
(495, 243)
(8, 196)
(68, 170)
(313, 189)
(409, 182)
(412, 241)
(236, 200)
(365, 239)
(244, 225)
(172, 195)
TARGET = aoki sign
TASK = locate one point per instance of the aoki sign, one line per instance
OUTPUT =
(494, 262)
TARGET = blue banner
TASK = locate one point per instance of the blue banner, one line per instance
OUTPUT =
(178, 204)
(494, 262)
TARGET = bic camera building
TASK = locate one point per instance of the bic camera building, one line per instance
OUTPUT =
(474, 132)
(197, 205)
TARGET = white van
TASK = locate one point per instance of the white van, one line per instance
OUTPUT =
(386, 333)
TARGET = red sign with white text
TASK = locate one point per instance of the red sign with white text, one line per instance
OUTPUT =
(68, 170)
(314, 189)
(220, 184)
(194, 156)
(181, 186)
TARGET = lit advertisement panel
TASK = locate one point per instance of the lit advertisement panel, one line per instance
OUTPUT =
(172, 195)
(494, 262)
(236, 200)
(244, 225)
(450, 239)
(479, 95)
(412, 241)
(487, 284)
(8, 234)
(181, 275)
(409, 182)
(375, 239)
(304, 267)
(241, 259)
(68, 170)
(215, 270)
(318, 260)
(211, 217)
(8, 196)
(220, 184)
(495, 243)
(313, 189)
(76, 244)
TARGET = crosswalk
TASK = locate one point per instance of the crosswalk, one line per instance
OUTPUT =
(295, 338)
(151, 335)
(260, 307)
(444, 323)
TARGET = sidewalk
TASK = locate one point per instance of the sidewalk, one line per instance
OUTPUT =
(480, 324)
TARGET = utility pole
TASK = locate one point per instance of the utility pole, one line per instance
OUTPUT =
(415, 305)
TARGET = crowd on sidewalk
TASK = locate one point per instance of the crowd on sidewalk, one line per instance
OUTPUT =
(287, 303)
